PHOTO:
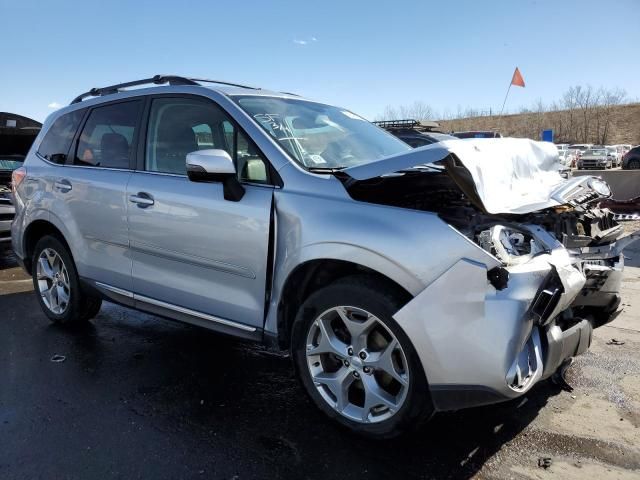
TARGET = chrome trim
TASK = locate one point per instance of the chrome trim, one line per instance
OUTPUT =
(193, 313)
(175, 308)
(192, 259)
(119, 291)
(82, 166)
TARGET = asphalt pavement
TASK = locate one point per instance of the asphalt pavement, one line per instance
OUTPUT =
(132, 396)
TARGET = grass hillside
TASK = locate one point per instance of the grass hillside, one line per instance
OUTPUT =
(619, 124)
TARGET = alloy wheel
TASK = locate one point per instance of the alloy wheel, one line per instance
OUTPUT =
(357, 364)
(53, 281)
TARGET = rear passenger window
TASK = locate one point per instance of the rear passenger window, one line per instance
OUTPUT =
(107, 139)
(57, 141)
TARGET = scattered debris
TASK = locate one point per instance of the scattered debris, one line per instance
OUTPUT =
(544, 462)
(613, 341)
(58, 358)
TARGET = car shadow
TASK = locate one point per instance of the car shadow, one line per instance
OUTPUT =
(223, 397)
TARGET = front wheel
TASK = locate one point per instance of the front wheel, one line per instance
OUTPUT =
(356, 363)
(57, 285)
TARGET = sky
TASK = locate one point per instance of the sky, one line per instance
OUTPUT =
(360, 55)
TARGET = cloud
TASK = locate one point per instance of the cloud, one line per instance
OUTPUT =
(54, 105)
(302, 41)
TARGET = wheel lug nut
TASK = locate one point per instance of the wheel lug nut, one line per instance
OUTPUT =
(366, 370)
(356, 374)
(346, 363)
(350, 351)
(363, 355)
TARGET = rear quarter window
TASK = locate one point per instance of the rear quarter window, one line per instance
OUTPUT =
(57, 141)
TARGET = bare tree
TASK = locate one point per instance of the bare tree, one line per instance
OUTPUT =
(418, 110)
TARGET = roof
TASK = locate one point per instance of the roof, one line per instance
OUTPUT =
(222, 86)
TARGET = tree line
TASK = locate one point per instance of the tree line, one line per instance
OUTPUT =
(583, 114)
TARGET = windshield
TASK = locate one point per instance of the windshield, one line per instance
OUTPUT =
(320, 136)
(597, 151)
(10, 162)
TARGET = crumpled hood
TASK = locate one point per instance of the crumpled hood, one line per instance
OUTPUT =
(502, 175)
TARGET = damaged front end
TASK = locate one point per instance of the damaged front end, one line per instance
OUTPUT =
(485, 336)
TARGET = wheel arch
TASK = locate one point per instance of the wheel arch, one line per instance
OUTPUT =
(33, 233)
(312, 275)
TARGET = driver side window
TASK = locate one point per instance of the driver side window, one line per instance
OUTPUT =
(178, 126)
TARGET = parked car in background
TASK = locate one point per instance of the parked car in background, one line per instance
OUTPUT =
(477, 134)
(579, 148)
(8, 163)
(598, 158)
(614, 153)
(563, 156)
(631, 159)
(403, 281)
(14, 145)
(415, 133)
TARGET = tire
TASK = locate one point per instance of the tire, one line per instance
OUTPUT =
(634, 164)
(57, 285)
(362, 295)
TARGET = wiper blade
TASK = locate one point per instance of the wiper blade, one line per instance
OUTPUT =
(324, 169)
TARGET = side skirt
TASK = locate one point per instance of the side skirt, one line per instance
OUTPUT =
(174, 312)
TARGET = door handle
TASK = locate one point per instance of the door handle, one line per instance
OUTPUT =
(63, 185)
(142, 199)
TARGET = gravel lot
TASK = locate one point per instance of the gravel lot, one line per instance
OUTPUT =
(136, 396)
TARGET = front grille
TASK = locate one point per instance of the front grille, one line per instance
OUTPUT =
(590, 163)
(6, 217)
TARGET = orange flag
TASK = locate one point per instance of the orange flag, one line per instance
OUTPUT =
(517, 79)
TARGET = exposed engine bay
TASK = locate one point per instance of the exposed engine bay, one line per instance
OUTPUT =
(578, 224)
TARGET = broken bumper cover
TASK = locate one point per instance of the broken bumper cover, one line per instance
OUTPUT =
(479, 345)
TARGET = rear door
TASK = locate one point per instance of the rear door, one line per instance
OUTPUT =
(193, 251)
(91, 192)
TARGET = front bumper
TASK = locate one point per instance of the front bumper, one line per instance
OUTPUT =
(479, 345)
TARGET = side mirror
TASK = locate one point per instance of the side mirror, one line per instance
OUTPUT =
(215, 165)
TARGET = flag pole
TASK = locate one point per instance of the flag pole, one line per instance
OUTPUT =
(505, 97)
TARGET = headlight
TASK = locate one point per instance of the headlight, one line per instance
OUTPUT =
(600, 187)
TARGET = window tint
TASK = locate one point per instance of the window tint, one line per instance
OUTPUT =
(178, 126)
(56, 143)
(108, 135)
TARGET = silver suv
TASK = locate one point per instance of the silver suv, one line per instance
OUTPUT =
(403, 281)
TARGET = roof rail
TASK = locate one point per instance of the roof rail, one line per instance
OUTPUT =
(156, 80)
(408, 124)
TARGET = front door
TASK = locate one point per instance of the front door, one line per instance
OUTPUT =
(193, 250)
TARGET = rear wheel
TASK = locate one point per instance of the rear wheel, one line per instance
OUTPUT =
(634, 164)
(56, 282)
(356, 363)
